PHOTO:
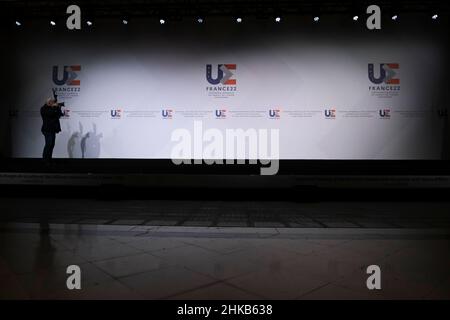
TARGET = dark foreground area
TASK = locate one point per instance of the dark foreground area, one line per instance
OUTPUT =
(167, 249)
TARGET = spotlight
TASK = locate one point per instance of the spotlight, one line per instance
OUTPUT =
(394, 17)
(316, 19)
(355, 18)
(199, 20)
(89, 23)
(238, 20)
(434, 16)
(124, 21)
(53, 23)
(18, 23)
(278, 19)
(162, 21)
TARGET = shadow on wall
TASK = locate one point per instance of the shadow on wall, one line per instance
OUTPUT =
(84, 145)
(445, 154)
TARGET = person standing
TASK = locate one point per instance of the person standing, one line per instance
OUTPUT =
(50, 113)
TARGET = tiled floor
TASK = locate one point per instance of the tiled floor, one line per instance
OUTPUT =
(150, 262)
(271, 214)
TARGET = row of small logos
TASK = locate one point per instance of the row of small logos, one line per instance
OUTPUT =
(276, 114)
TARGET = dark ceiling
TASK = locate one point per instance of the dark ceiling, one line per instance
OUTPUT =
(182, 8)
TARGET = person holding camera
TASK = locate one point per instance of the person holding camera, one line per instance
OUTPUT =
(50, 113)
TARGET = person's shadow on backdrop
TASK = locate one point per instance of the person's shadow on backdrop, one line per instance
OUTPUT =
(84, 145)
(445, 154)
(71, 143)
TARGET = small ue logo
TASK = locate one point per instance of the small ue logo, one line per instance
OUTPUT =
(385, 113)
(274, 113)
(116, 113)
(221, 113)
(167, 113)
(330, 113)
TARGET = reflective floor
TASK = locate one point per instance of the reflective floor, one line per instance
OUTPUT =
(123, 260)
(276, 214)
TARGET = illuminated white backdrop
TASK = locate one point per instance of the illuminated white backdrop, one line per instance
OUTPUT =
(301, 73)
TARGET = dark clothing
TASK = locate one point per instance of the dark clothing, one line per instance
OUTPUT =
(50, 119)
(50, 127)
(50, 138)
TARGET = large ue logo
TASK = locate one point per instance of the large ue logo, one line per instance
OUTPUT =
(224, 74)
(69, 76)
(386, 73)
